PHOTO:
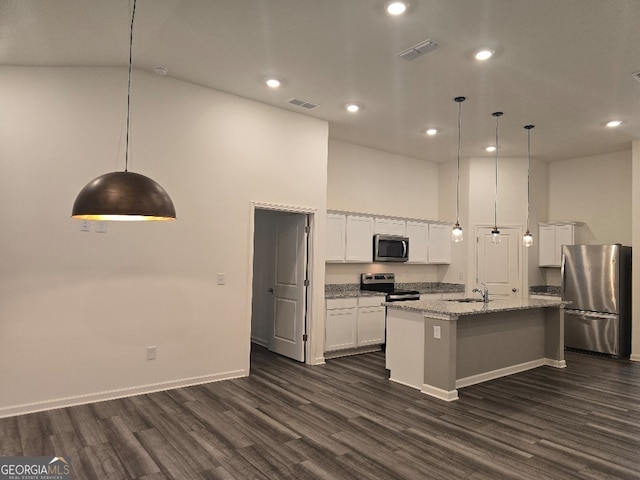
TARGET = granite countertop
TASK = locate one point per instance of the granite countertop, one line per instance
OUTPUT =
(346, 290)
(456, 309)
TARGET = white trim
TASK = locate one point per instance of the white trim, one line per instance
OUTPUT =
(447, 396)
(635, 357)
(311, 265)
(500, 372)
(550, 362)
(118, 393)
(404, 383)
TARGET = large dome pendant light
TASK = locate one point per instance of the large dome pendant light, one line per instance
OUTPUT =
(124, 195)
(527, 240)
(456, 233)
(495, 232)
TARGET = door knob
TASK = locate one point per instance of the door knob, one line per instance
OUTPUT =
(270, 290)
(514, 290)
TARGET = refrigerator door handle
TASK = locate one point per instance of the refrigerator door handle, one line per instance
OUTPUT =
(586, 313)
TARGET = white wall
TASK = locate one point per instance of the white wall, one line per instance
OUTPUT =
(595, 190)
(77, 309)
(362, 179)
(366, 180)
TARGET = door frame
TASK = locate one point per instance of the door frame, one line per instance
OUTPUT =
(310, 320)
(522, 274)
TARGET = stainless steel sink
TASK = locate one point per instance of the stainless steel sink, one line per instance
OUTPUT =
(465, 300)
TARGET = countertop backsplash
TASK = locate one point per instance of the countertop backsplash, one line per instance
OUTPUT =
(341, 290)
(551, 290)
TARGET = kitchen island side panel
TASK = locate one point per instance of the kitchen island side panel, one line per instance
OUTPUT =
(499, 340)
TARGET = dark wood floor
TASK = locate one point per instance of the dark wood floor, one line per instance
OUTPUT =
(345, 420)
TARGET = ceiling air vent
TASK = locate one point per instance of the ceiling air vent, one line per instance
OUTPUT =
(418, 50)
(302, 103)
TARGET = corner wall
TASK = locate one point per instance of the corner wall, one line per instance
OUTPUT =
(78, 309)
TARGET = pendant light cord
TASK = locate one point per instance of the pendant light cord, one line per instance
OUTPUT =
(495, 199)
(459, 100)
(528, 128)
(126, 148)
(528, 173)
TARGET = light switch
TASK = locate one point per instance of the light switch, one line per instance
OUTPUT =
(436, 331)
(85, 226)
(222, 278)
(151, 353)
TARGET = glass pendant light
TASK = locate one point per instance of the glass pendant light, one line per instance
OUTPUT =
(124, 195)
(495, 232)
(456, 233)
(527, 240)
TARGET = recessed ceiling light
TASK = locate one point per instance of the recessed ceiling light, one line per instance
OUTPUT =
(614, 123)
(396, 8)
(352, 107)
(483, 55)
(273, 82)
(431, 131)
(490, 148)
(159, 70)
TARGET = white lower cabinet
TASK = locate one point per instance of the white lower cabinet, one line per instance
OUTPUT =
(354, 322)
(371, 317)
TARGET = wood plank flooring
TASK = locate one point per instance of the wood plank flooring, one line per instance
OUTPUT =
(346, 420)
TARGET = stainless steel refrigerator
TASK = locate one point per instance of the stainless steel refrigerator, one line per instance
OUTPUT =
(596, 279)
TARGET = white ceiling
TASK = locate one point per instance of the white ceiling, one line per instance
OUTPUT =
(563, 65)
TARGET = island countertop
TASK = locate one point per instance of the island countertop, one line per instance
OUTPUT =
(457, 308)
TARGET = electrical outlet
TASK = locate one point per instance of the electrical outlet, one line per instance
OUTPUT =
(101, 227)
(151, 353)
(436, 331)
(222, 278)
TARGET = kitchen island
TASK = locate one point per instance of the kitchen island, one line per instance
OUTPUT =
(440, 346)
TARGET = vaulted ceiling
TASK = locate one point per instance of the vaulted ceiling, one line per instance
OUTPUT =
(565, 66)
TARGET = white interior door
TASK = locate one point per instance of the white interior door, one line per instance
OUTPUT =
(289, 290)
(498, 264)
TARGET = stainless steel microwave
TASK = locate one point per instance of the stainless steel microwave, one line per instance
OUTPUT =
(390, 248)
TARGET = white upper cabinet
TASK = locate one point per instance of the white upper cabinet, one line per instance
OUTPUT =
(418, 234)
(439, 243)
(390, 226)
(550, 241)
(349, 238)
(336, 237)
(359, 239)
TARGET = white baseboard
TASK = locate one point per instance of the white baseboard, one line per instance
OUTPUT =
(501, 372)
(400, 382)
(550, 362)
(447, 396)
(635, 357)
(114, 394)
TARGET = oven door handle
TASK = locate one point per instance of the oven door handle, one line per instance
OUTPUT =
(404, 249)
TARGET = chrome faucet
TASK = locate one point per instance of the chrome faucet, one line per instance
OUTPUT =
(484, 292)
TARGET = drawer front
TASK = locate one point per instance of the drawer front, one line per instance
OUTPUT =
(335, 303)
(370, 301)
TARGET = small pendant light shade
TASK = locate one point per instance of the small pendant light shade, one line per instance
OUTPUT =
(123, 196)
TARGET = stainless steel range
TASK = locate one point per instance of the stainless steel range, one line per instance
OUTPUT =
(386, 283)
